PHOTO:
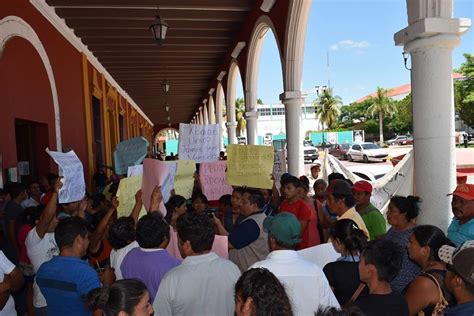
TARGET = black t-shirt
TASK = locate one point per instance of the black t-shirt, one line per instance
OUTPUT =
(343, 276)
(100, 179)
(392, 304)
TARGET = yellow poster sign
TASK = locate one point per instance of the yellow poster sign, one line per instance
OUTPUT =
(127, 189)
(250, 166)
(184, 179)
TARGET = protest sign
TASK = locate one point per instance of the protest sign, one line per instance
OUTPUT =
(127, 189)
(135, 171)
(130, 152)
(220, 246)
(199, 142)
(71, 170)
(320, 254)
(213, 180)
(279, 167)
(154, 174)
(169, 181)
(184, 180)
(250, 165)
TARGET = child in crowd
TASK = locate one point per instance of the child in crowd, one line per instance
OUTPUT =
(295, 205)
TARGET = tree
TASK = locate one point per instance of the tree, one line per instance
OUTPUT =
(327, 108)
(464, 91)
(240, 116)
(382, 106)
(401, 121)
(260, 102)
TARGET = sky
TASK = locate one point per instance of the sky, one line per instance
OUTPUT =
(358, 36)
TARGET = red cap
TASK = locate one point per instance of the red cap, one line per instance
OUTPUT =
(465, 191)
(362, 186)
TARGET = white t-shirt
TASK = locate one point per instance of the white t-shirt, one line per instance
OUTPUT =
(116, 258)
(304, 282)
(39, 251)
(30, 202)
(6, 267)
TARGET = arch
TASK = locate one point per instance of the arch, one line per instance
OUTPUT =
(262, 25)
(231, 92)
(298, 14)
(220, 103)
(14, 26)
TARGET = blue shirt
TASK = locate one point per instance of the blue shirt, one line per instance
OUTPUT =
(244, 234)
(64, 282)
(459, 233)
(466, 309)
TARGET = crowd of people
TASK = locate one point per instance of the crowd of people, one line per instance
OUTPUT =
(79, 258)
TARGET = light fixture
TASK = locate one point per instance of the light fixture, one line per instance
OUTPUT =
(169, 118)
(221, 75)
(169, 124)
(159, 29)
(165, 86)
(167, 107)
(238, 48)
(405, 59)
(267, 5)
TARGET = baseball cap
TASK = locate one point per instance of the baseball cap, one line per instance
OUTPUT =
(362, 186)
(316, 163)
(284, 227)
(460, 259)
(465, 191)
(339, 187)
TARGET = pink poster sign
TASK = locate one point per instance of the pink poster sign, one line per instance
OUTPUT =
(213, 180)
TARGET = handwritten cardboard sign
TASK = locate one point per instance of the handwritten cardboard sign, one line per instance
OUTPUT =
(130, 152)
(250, 165)
(213, 180)
(70, 168)
(184, 179)
(199, 142)
(127, 189)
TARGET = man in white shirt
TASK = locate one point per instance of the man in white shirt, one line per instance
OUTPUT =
(34, 195)
(11, 280)
(204, 283)
(41, 245)
(305, 282)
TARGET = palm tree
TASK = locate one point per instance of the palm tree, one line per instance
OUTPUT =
(382, 105)
(327, 108)
(240, 116)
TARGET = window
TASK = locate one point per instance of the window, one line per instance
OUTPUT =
(264, 112)
(278, 111)
(309, 109)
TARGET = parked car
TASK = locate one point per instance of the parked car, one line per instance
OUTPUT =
(311, 153)
(397, 140)
(366, 152)
(408, 141)
(241, 140)
(340, 151)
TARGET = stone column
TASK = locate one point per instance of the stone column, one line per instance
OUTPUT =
(205, 114)
(220, 117)
(430, 39)
(251, 116)
(293, 101)
(212, 111)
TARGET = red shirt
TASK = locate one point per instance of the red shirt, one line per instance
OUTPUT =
(22, 233)
(304, 212)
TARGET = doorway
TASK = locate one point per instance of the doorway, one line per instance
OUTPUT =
(31, 141)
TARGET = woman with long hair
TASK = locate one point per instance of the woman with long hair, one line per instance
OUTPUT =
(402, 214)
(175, 207)
(258, 292)
(426, 294)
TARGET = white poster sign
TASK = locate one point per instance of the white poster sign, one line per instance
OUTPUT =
(72, 172)
(199, 142)
(135, 171)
